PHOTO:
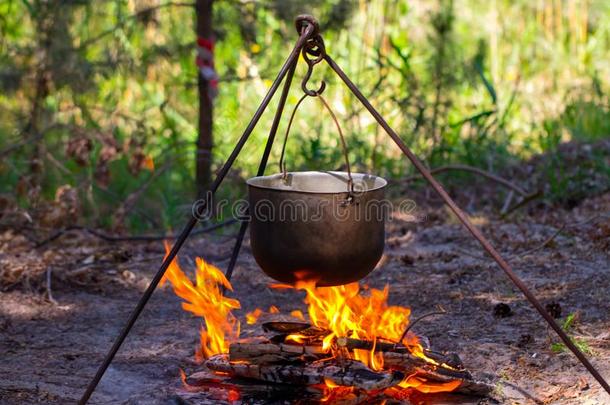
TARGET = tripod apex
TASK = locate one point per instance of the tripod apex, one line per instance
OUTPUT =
(303, 20)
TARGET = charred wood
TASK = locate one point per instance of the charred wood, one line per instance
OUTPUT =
(450, 359)
(352, 373)
(302, 364)
(262, 353)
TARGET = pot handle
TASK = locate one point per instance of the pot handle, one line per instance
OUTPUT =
(282, 164)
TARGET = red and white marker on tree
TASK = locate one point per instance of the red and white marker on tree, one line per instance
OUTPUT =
(205, 64)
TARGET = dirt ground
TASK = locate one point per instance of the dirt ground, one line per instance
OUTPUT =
(50, 349)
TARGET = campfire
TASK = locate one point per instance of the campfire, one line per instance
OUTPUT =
(350, 346)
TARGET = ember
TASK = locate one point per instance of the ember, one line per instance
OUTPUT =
(349, 347)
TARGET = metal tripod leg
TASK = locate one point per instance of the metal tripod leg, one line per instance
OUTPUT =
(263, 164)
(292, 58)
(466, 222)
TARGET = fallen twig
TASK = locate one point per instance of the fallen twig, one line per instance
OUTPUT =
(473, 255)
(441, 311)
(542, 245)
(49, 293)
(525, 200)
(588, 220)
(134, 238)
(474, 170)
(510, 256)
(507, 201)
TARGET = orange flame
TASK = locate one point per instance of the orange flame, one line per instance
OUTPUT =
(345, 311)
(333, 392)
(205, 299)
(252, 317)
(363, 313)
(427, 387)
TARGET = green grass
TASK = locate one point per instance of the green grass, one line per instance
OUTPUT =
(567, 325)
(460, 81)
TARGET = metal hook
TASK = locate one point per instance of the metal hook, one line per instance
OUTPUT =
(314, 47)
(310, 92)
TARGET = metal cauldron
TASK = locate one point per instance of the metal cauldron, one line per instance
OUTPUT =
(310, 226)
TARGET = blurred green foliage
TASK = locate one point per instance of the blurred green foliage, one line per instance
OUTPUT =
(91, 93)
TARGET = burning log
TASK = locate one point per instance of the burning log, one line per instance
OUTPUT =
(249, 351)
(289, 327)
(450, 359)
(265, 353)
(209, 380)
(228, 389)
(306, 330)
(352, 373)
(325, 357)
(301, 363)
(283, 360)
(269, 353)
(409, 363)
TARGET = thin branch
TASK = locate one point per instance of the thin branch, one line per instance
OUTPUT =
(588, 220)
(49, 293)
(135, 238)
(542, 245)
(27, 141)
(411, 324)
(514, 255)
(474, 170)
(507, 201)
(524, 201)
(122, 23)
(129, 203)
(511, 100)
(467, 253)
(58, 164)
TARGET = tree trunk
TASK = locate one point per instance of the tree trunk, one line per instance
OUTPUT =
(203, 158)
(33, 131)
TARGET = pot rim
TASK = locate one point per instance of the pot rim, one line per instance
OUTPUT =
(255, 181)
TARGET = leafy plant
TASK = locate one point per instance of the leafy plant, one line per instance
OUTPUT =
(567, 325)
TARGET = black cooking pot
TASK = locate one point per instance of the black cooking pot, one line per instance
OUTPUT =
(313, 226)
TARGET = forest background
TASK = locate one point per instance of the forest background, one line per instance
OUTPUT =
(99, 117)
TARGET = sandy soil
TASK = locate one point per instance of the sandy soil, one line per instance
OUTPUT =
(49, 350)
